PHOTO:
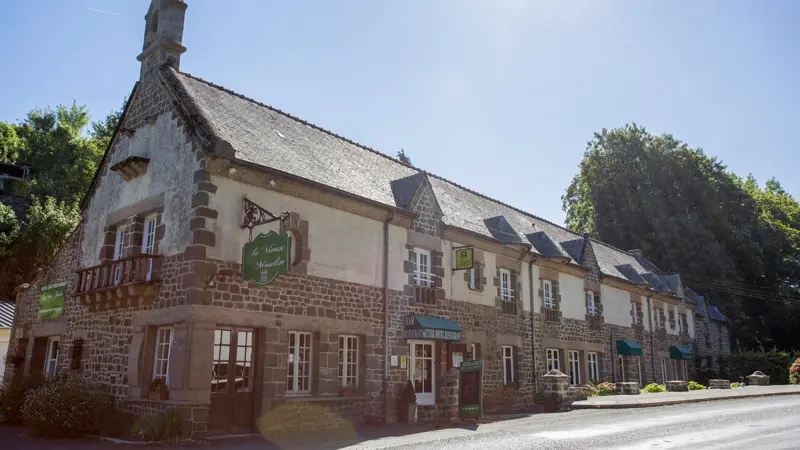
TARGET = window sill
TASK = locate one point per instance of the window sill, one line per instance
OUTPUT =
(323, 398)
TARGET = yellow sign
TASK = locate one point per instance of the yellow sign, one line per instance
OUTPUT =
(463, 258)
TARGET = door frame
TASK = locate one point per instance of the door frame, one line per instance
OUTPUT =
(230, 396)
(424, 398)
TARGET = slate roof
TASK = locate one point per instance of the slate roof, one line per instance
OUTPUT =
(265, 136)
(701, 310)
(6, 314)
(715, 314)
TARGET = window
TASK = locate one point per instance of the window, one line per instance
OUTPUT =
(547, 289)
(680, 321)
(675, 370)
(422, 268)
(161, 354)
(664, 370)
(506, 292)
(292, 247)
(686, 323)
(637, 308)
(590, 304)
(508, 365)
(421, 371)
(149, 241)
(552, 359)
(472, 352)
(473, 282)
(51, 358)
(298, 378)
(593, 365)
(119, 251)
(221, 360)
(685, 368)
(348, 361)
(621, 368)
(574, 367)
(657, 317)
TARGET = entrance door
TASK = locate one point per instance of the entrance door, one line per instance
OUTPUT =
(422, 371)
(232, 380)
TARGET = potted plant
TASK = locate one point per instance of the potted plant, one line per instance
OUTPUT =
(408, 404)
(158, 390)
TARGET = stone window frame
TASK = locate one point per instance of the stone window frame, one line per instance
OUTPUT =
(50, 360)
(508, 378)
(673, 324)
(577, 366)
(358, 365)
(553, 314)
(476, 274)
(421, 294)
(297, 229)
(637, 313)
(156, 350)
(312, 338)
(133, 230)
(596, 364)
(509, 306)
(147, 356)
(556, 359)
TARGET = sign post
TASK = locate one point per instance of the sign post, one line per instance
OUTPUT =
(51, 302)
(265, 257)
(470, 389)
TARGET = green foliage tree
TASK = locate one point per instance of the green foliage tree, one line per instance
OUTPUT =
(403, 158)
(9, 229)
(692, 216)
(9, 143)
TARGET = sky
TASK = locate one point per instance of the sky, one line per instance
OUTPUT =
(500, 96)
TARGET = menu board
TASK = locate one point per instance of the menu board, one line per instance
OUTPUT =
(470, 389)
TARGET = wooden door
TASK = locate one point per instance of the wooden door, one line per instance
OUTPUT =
(233, 380)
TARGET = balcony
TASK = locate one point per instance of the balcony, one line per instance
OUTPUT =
(120, 283)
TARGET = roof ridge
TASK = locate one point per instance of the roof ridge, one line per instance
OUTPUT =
(331, 133)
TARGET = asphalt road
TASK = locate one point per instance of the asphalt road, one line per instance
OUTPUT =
(762, 423)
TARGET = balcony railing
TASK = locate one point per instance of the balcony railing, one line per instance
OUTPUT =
(121, 281)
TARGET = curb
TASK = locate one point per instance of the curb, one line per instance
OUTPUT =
(679, 402)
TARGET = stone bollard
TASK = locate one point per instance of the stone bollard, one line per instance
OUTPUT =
(579, 393)
(628, 388)
(758, 379)
(555, 387)
(719, 384)
(677, 386)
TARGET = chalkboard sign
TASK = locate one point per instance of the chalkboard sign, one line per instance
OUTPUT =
(470, 389)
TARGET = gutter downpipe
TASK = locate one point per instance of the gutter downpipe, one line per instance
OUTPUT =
(652, 332)
(386, 317)
(533, 315)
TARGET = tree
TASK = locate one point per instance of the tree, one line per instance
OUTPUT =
(9, 229)
(9, 143)
(102, 131)
(401, 155)
(692, 216)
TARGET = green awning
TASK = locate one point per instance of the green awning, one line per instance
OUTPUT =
(680, 353)
(629, 347)
(435, 328)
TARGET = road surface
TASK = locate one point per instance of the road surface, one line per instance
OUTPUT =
(762, 423)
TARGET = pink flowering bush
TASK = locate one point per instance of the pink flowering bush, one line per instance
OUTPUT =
(794, 372)
(67, 406)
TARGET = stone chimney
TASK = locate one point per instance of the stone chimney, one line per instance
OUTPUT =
(162, 35)
(637, 253)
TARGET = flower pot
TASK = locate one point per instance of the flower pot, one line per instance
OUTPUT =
(347, 392)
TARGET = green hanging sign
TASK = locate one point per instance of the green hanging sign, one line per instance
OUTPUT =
(51, 302)
(265, 257)
(470, 389)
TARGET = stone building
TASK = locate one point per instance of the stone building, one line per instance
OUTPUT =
(153, 284)
(713, 341)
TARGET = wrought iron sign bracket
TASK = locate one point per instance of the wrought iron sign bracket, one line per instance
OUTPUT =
(255, 215)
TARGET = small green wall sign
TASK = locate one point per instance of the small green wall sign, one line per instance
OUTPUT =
(265, 257)
(51, 302)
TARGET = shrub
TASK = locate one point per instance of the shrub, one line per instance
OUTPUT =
(67, 406)
(161, 427)
(655, 387)
(604, 388)
(695, 386)
(774, 363)
(794, 372)
(735, 385)
(12, 396)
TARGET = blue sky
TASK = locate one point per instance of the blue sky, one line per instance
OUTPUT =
(500, 96)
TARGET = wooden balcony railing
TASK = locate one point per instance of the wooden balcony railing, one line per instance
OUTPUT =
(552, 315)
(122, 280)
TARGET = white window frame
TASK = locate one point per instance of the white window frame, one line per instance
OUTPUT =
(574, 363)
(506, 291)
(621, 367)
(591, 305)
(423, 398)
(292, 247)
(552, 360)
(119, 252)
(675, 370)
(294, 361)
(547, 294)
(51, 357)
(593, 366)
(472, 279)
(657, 318)
(508, 356)
(422, 258)
(163, 339)
(472, 349)
(636, 309)
(664, 369)
(348, 372)
(149, 241)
